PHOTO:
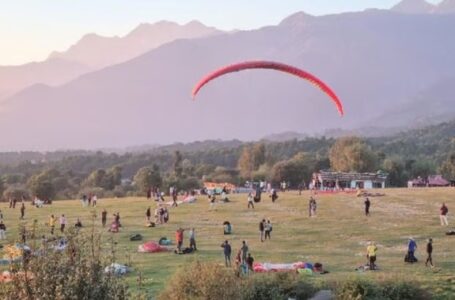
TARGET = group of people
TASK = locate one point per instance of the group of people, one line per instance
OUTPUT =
(179, 239)
(243, 260)
(161, 215)
(410, 256)
(90, 200)
(265, 229)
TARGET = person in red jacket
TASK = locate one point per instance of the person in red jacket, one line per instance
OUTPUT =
(443, 216)
(179, 238)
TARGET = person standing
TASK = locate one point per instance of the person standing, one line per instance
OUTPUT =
(117, 219)
(14, 202)
(274, 195)
(250, 201)
(193, 239)
(261, 229)
(179, 239)
(367, 206)
(148, 215)
(429, 253)
(371, 255)
(1, 215)
(443, 215)
(62, 222)
(22, 211)
(52, 221)
(245, 251)
(268, 229)
(227, 253)
(313, 207)
(94, 200)
(104, 217)
(2, 230)
(249, 262)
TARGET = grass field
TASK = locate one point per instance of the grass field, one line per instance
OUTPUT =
(336, 237)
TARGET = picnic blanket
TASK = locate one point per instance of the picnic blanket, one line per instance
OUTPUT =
(269, 267)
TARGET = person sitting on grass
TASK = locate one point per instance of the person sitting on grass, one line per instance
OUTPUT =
(78, 223)
(227, 228)
(412, 246)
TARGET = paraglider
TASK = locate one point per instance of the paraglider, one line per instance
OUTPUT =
(273, 66)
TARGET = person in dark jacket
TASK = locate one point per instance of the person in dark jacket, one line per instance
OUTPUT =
(367, 206)
(227, 253)
(22, 211)
(261, 230)
(249, 262)
(429, 253)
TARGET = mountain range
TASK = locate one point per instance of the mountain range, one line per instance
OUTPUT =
(390, 68)
(94, 52)
(424, 7)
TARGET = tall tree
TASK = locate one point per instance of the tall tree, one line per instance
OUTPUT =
(147, 177)
(448, 167)
(246, 163)
(351, 154)
(178, 159)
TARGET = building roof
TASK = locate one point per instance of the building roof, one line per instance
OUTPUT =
(341, 176)
(437, 180)
(418, 181)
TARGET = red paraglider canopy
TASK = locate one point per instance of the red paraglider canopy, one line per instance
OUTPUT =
(273, 66)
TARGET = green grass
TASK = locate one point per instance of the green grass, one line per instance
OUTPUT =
(336, 237)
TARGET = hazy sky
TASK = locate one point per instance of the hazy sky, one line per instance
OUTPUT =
(31, 29)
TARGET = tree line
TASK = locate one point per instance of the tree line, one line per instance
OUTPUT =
(68, 175)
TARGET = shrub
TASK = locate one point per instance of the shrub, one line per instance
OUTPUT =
(366, 290)
(75, 273)
(276, 286)
(403, 290)
(202, 281)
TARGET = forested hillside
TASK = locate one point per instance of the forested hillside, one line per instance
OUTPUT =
(66, 174)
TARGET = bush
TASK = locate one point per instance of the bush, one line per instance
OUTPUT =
(366, 290)
(403, 290)
(75, 273)
(202, 281)
(276, 286)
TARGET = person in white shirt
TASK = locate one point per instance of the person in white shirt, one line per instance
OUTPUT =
(250, 201)
(62, 222)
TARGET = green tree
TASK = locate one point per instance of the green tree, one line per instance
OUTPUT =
(296, 170)
(258, 155)
(246, 163)
(251, 158)
(147, 177)
(178, 159)
(42, 184)
(395, 168)
(448, 167)
(351, 154)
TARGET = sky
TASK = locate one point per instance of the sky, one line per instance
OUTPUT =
(31, 29)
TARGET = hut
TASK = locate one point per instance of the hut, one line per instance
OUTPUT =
(327, 180)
